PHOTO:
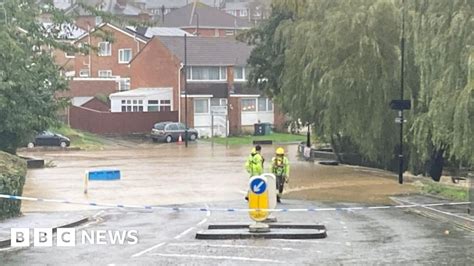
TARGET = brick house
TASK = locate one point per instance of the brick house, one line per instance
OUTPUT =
(105, 70)
(215, 76)
(203, 20)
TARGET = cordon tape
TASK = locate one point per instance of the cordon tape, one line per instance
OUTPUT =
(150, 207)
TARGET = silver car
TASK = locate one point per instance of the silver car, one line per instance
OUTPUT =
(171, 131)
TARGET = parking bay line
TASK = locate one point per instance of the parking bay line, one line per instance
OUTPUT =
(195, 256)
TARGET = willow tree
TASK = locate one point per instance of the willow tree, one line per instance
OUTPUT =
(336, 64)
(339, 68)
(442, 39)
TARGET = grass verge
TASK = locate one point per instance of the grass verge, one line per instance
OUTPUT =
(248, 139)
(445, 191)
(83, 140)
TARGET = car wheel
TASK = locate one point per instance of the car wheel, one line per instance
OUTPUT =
(193, 137)
(31, 145)
(63, 144)
(169, 139)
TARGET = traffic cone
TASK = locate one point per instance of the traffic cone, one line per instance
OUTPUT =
(180, 139)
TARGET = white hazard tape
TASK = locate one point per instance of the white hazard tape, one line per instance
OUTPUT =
(149, 207)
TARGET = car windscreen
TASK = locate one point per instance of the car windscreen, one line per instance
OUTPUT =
(159, 126)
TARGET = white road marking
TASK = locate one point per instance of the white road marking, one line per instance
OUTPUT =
(215, 257)
(202, 222)
(184, 233)
(229, 246)
(148, 249)
(243, 192)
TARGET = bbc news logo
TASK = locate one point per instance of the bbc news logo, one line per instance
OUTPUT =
(67, 237)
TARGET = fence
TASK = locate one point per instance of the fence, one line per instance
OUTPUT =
(100, 122)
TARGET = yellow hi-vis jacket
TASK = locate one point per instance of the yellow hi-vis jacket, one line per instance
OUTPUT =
(254, 164)
(280, 166)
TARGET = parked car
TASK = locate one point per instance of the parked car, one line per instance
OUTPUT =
(170, 131)
(47, 138)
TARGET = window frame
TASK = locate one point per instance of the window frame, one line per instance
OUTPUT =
(104, 70)
(207, 106)
(222, 72)
(127, 80)
(109, 50)
(244, 76)
(82, 75)
(132, 105)
(121, 52)
(243, 12)
(249, 111)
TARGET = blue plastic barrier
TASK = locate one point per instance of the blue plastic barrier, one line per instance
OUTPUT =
(104, 175)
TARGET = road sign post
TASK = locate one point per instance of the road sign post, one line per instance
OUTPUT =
(258, 198)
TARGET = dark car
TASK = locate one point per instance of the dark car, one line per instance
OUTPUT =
(170, 131)
(47, 138)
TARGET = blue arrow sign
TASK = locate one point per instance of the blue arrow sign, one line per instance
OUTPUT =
(258, 186)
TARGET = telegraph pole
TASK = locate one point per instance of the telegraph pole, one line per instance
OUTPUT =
(400, 112)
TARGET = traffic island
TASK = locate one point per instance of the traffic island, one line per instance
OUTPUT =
(262, 199)
(274, 233)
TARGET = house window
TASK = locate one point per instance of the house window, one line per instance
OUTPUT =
(125, 55)
(159, 105)
(265, 105)
(207, 74)
(229, 32)
(105, 49)
(249, 105)
(84, 73)
(124, 84)
(218, 102)
(243, 13)
(201, 106)
(232, 12)
(239, 74)
(105, 73)
(132, 105)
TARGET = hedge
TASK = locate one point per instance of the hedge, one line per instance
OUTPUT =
(12, 179)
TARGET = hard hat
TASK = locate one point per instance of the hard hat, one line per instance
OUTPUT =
(253, 151)
(280, 151)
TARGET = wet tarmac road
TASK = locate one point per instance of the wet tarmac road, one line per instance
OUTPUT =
(203, 176)
(167, 238)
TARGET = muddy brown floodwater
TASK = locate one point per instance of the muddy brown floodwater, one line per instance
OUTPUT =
(159, 174)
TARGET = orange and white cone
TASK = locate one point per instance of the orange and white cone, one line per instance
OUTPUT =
(180, 139)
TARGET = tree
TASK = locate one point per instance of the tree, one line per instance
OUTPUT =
(336, 64)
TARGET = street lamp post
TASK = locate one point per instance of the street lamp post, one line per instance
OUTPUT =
(185, 93)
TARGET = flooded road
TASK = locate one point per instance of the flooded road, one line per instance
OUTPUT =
(161, 174)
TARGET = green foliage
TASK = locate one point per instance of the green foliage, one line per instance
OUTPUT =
(82, 140)
(445, 191)
(28, 76)
(336, 64)
(12, 179)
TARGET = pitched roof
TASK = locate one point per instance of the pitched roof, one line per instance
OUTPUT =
(149, 32)
(209, 17)
(125, 31)
(153, 4)
(209, 51)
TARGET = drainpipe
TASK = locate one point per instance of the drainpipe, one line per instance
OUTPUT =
(179, 90)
